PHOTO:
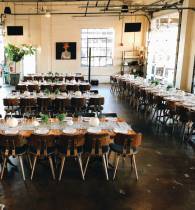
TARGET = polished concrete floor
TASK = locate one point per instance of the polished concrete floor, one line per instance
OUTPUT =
(166, 176)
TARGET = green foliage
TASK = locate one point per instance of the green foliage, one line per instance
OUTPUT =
(61, 117)
(44, 118)
(57, 91)
(46, 91)
(169, 87)
(16, 54)
(156, 82)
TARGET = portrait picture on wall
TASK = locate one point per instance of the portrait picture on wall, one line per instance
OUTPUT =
(65, 50)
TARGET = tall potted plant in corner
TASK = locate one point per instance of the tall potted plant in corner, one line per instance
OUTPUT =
(15, 54)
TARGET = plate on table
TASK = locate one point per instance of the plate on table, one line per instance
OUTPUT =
(67, 119)
(94, 130)
(123, 131)
(188, 104)
(69, 131)
(11, 132)
(86, 119)
(41, 131)
(111, 119)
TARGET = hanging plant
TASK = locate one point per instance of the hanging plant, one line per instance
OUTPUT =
(16, 54)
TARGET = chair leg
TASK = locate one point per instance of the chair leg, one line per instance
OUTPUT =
(105, 167)
(29, 160)
(116, 166)
(33, 167)
(21, 165)
(81, 166)
(135, 167)
(86, 165)
(51, 166)
(3, 168)
(62, 167)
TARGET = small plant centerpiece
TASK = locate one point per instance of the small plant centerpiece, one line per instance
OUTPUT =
(61, 117)
(47, 91)
(57, 92)
(44, 118)
(155, 82)
(169, 87)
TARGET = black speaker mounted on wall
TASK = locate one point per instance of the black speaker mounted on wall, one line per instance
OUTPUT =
(132, 27)
(14, 30)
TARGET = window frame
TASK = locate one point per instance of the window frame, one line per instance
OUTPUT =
(97, 56)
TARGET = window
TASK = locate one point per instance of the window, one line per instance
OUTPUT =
(101, 43)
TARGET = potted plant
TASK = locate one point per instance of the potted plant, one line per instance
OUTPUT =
(15, 54)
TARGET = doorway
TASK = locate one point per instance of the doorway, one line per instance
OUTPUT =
(29, 64)
(162, 48)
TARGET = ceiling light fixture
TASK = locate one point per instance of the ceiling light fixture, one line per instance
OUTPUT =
(7, 11)
(47, 14)
(124, 8)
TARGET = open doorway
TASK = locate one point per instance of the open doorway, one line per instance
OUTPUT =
(29, 64)
(162, 48)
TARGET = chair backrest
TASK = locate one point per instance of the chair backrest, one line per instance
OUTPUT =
(183, 112)
(10, 102)
(21, 88)
(79, 78)
(48, 78)
(9, 142)
(59, 78)
(44, 104)
(60, 87)
(96, 101)
(26, 105)
(125, 141)
(84, 88)
(42, 142)
(27, 78)
(68, 78)
(97, 144)
(46, 87)
(61, 104)
(71, 143)
(72, 88)
(32, 88)
(78, 102)
(38, 78)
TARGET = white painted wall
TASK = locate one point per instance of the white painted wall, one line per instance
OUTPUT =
(186, 48)
(45, 32)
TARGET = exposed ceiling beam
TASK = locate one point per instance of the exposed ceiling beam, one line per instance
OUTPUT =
(107, 6)
(86, 8)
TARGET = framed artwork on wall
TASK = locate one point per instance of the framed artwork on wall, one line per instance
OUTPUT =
(65, 50)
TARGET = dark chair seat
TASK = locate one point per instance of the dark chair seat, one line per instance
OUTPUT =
(64, 150)
(18, 150)
(104, 149)
(119, 149)
(33, 150)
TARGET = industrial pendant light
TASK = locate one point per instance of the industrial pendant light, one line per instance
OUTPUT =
(124, 8)
(7, 11)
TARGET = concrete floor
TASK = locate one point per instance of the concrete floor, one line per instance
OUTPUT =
(166, 176)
